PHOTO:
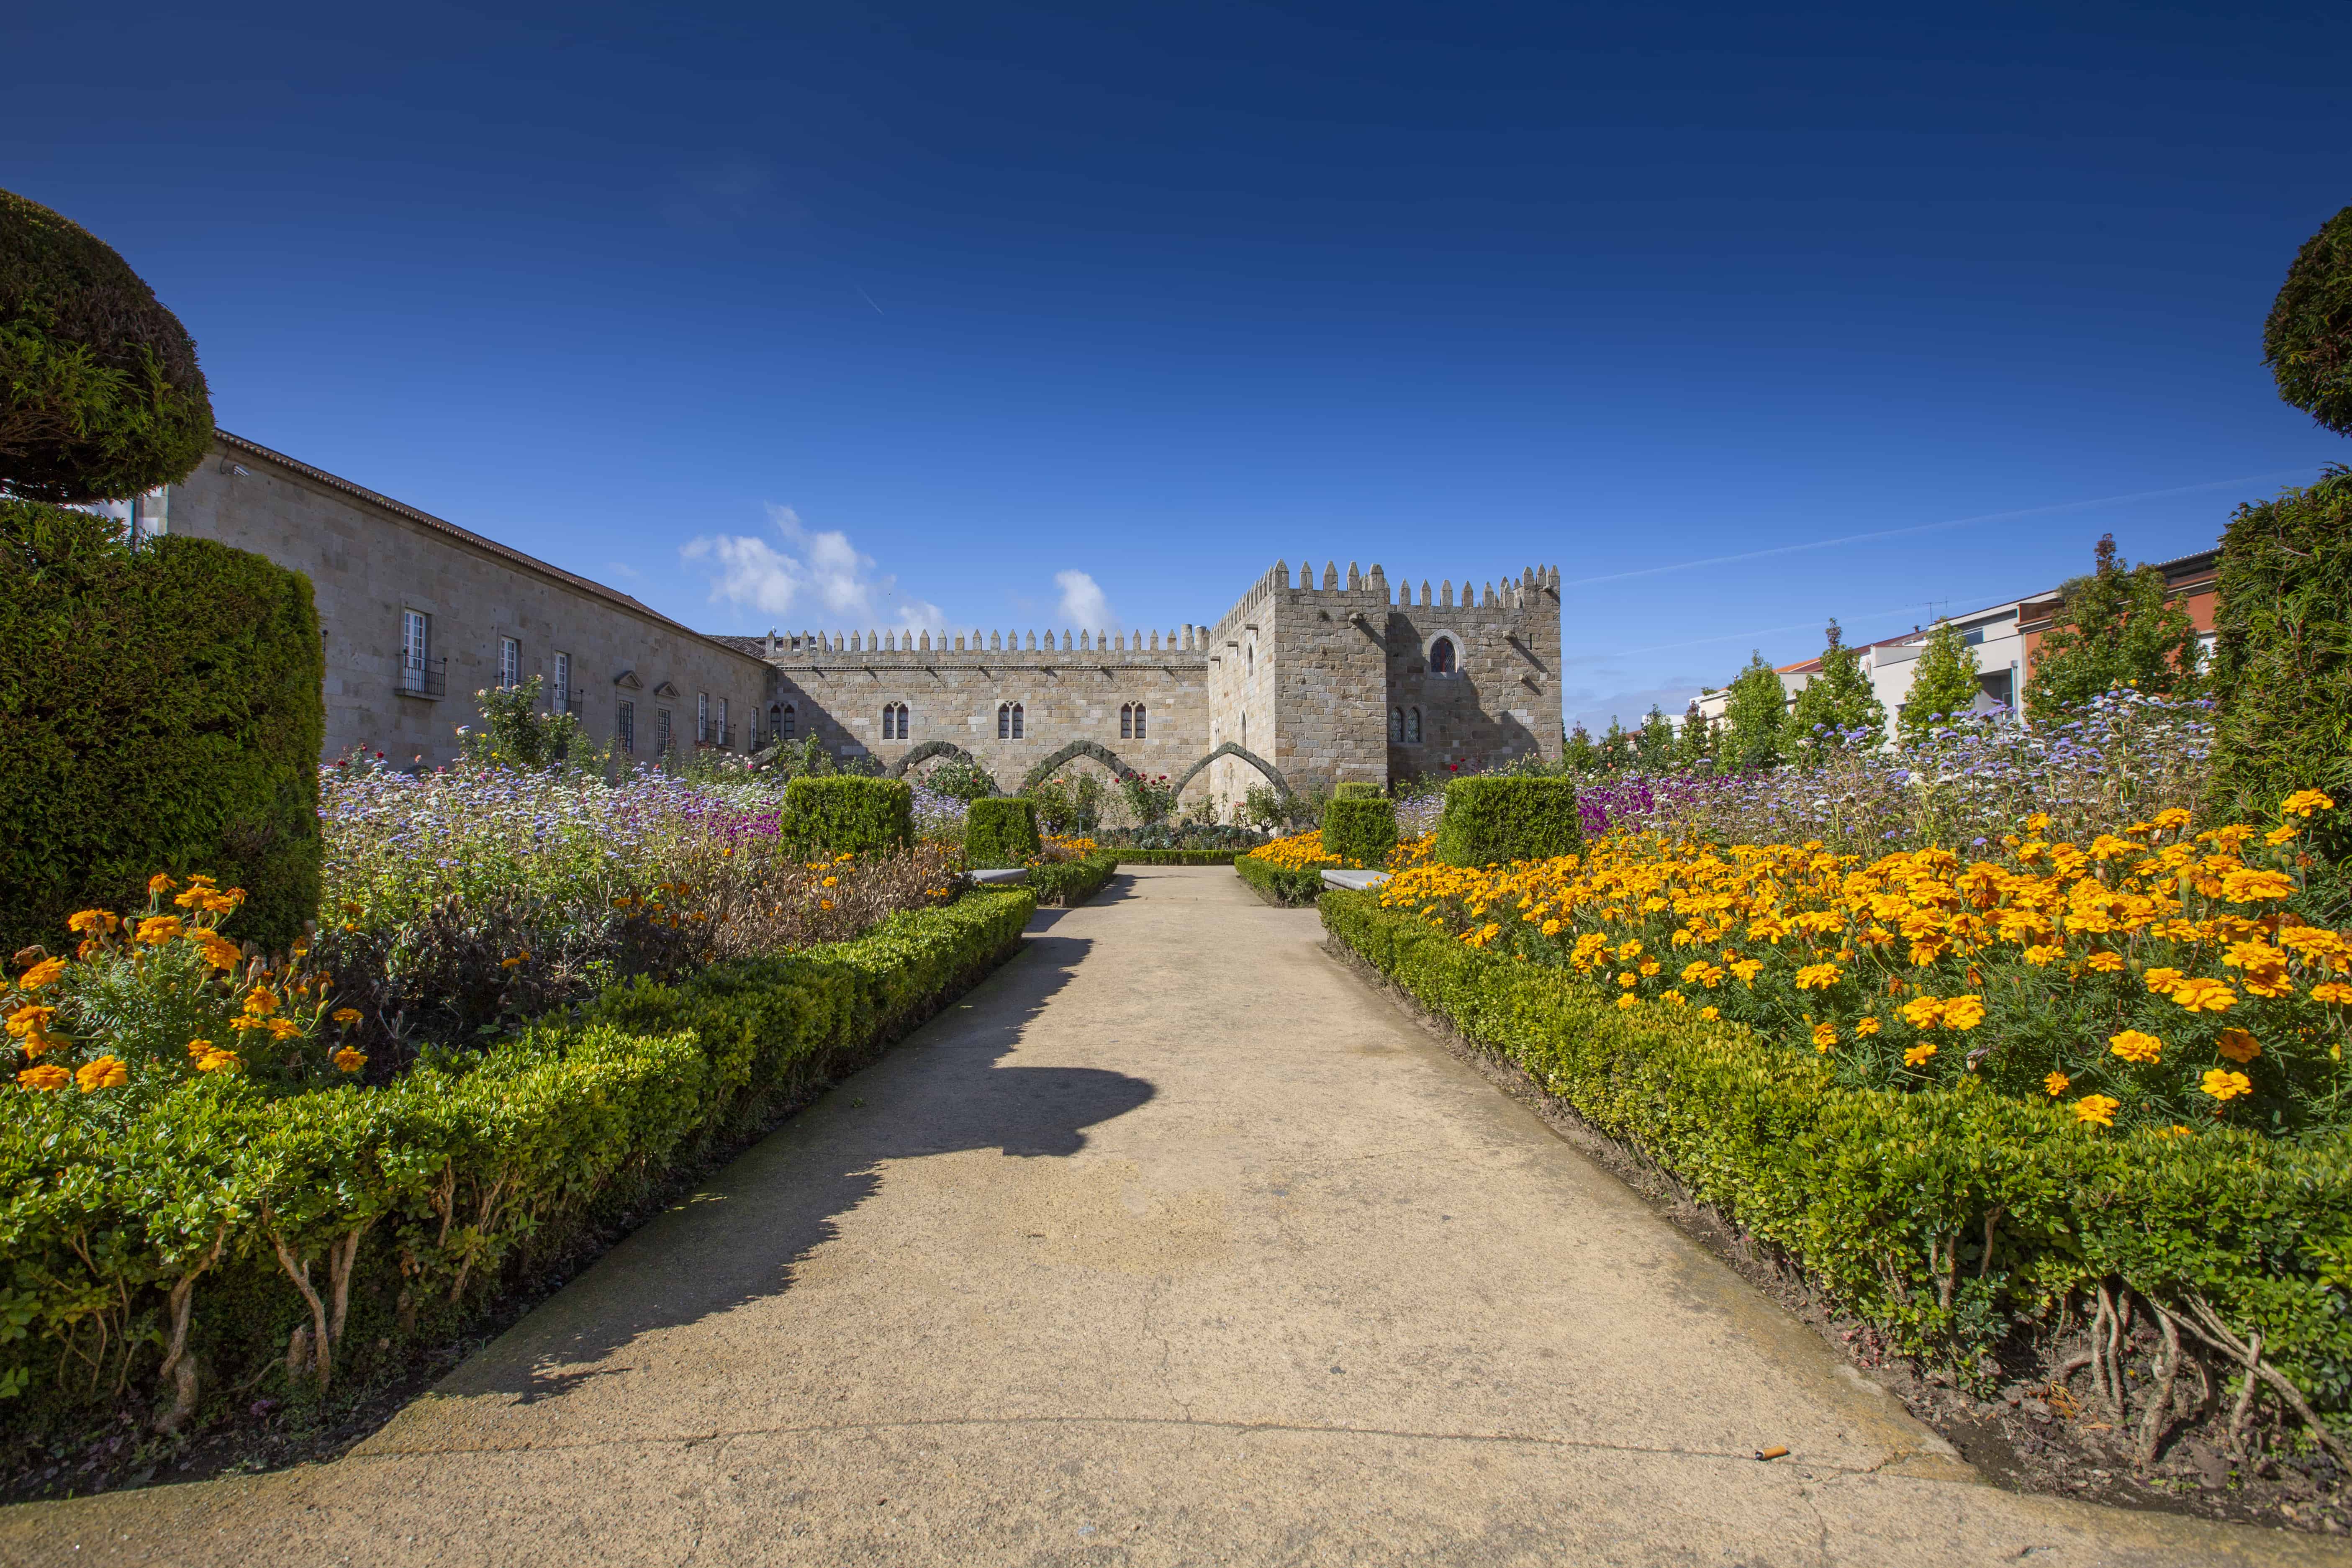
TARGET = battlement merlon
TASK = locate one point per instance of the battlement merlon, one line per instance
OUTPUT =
(1534, 589)
(1184, 644)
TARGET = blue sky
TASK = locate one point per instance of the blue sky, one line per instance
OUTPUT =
(843, 315)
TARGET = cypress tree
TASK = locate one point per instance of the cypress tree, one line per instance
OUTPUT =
(1837, 702)
(2114, 629)
(1753, 715)
(1943, 683)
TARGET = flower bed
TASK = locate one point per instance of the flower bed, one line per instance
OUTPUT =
(1069, 871)
(2153, 979)
(259, 1230)
(1950, 1216)
(1289, 872)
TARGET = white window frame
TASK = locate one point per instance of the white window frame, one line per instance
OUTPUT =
(562, 683)
(510, 662)
(415, 648)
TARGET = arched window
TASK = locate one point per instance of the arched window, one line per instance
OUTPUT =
(894, 721)
(1413, 726)
(1249, 659)
(775, 721)
(1139, 723)
(1127, 721)
(1016, 721)
(1396, 726)
(788, 722)
(1440, 657)
(1004, 721)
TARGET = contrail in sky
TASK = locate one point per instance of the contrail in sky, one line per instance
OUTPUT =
(1929, 528)
(867, 298)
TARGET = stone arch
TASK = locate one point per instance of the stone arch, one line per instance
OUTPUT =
(1068, 753)
(929, 749)
(1281, 785)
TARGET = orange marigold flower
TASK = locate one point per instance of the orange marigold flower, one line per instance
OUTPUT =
(2239, 1045)
(346, 1015)
(41, 974)
(160, 883)
(2096, 1110)
(2203, 995)
(26, 1021)
(1917, 1055)
(349, 1061)
(2226, 1085)
(47, 1075)
(2105, 962)
(2057, 1083)
(83, 921)
(2251, 887)
(157, 930)
(2304, 802)
(2042, 956)
(1964, 1011)
(1865, 1027)
(2162, 981)
(2332, 991)
(1923, 1013)
(101, 1072)
(1710, 1013)
(1824, 1036)
(1819, 976)
(2133, 1046)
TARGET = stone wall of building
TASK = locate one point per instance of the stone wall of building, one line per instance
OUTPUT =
(370, 558)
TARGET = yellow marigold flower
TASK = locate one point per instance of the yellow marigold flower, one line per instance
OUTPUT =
(260, 1002)
(1551, 928)
(2042, 957)
(160, 883)
(2169, 819)
(350, 1061)
(47, 1075)
(2278, 836)
(2135, 1047)
(1865, 1027)
(220, 1061)
(2202, 995)
(345, 1015)
(41, 974)
(284, 1029)
(2057, 1083)
(2162, 981)
(1747, 970)
(26, 1021)
(831, 882)
(1819, 976)
(218, 950)
(1964, 1011)
(2251, 886)
(83, 922)
(2239, 1045)
(1629, 978)
(1923, 1013)
(1917, 1055)
(1710, 1013)
(2226, 1085)
(2332, 991)
(1630, 951)
(2096, 1110)
(1649, 966)
(157, 930)
(510, 964)
(2105, 962)
(1824, 1036)
(2304, 802)
(199, 1048)
(1628, 1000)
(1675, 997)
(101, 1072)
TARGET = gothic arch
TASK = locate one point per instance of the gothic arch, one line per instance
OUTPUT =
(1071, 753)
(1229, 749)
(929, 749)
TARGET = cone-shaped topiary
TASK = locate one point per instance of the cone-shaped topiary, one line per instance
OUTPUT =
(100, 393)
(2307, 341)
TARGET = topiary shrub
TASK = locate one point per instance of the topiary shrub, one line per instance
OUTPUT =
(1356, 789)
(2282, 659)
(1363, 831)
(1000, 832)
(160, 710)
(848, 814)
(100, 393)
(1492, 821)
(2307, 341)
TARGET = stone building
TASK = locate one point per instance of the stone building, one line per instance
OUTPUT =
(1349, 681)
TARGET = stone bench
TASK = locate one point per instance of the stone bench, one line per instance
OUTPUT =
(1355, 881)
(1009, 876)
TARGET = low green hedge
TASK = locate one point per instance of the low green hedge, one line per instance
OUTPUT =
(1000, 832)
(1176, 856)
(1069, 882)
(1494, 821)
(1290, 890)
(848, 814)
(1888, 1199)
(1356, 789)
(402, 1204)
(1360, 830)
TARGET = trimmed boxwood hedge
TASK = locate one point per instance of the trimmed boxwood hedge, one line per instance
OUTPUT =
(1288, 889)
(1000, 832)
(848, 814)
(452, 1179)
(160, 709)
(1494, 821)
(1360, 830)
(1069, 882)
(1887, 1199)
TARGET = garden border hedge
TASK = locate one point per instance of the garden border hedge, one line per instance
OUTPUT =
(848, 812)
(1001, 831)
(401, 1205)
(1492, 821)
(1284, 890)
(1072, 882)
(1178, 856)
(1360, 829)
(1889, 1200)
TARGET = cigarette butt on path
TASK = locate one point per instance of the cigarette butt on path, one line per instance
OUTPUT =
(1774, 1452)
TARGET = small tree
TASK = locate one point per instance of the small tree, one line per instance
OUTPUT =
(515, 734)
(1580, 756)
(1838, 703)
(1616, 748)
(1695, 744)
(1653, 742)
(2115, 628)
(1943, 683)
(1752, 717)
(2307, 341)
(99, 394)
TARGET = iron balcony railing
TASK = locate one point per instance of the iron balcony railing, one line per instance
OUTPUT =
(711, 733)
(569, 702)
(428, 680)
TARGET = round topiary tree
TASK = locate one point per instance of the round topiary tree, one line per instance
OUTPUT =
(100, 393)
(2307, 341)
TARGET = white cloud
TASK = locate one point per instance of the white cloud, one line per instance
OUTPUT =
(1084, 606)
(816, 577)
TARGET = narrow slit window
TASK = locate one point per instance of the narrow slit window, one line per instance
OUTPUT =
(789, 723)
(1396, 725)
(1126, 721)
(1004, 721)
(1413, 727)
(1139, 723)
(1016, 721)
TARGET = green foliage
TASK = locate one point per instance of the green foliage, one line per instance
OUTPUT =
(1070, 803)
(1580, 755)
(1615, 753)
(1752, 717)
(1149, 798)
(2307, 341)
(99, 394)
(1836, 704)
(1492, 821)
(1263, 807)
(2114, 630)
(515, 734)
(1176, 856)
(1000, 832)
(1888, 1199)
(160, 710)
(788, 760)
(1356, 789)
(1280, 886)
(1943, 682)
(1360, 830)
(1072, 882)
(1653, 742)
(847, 814)
(2283, 657)
(435, 1188)
(1695, 743)
(961, 777)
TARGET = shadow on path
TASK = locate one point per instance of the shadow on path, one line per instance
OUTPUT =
(737, 1238)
